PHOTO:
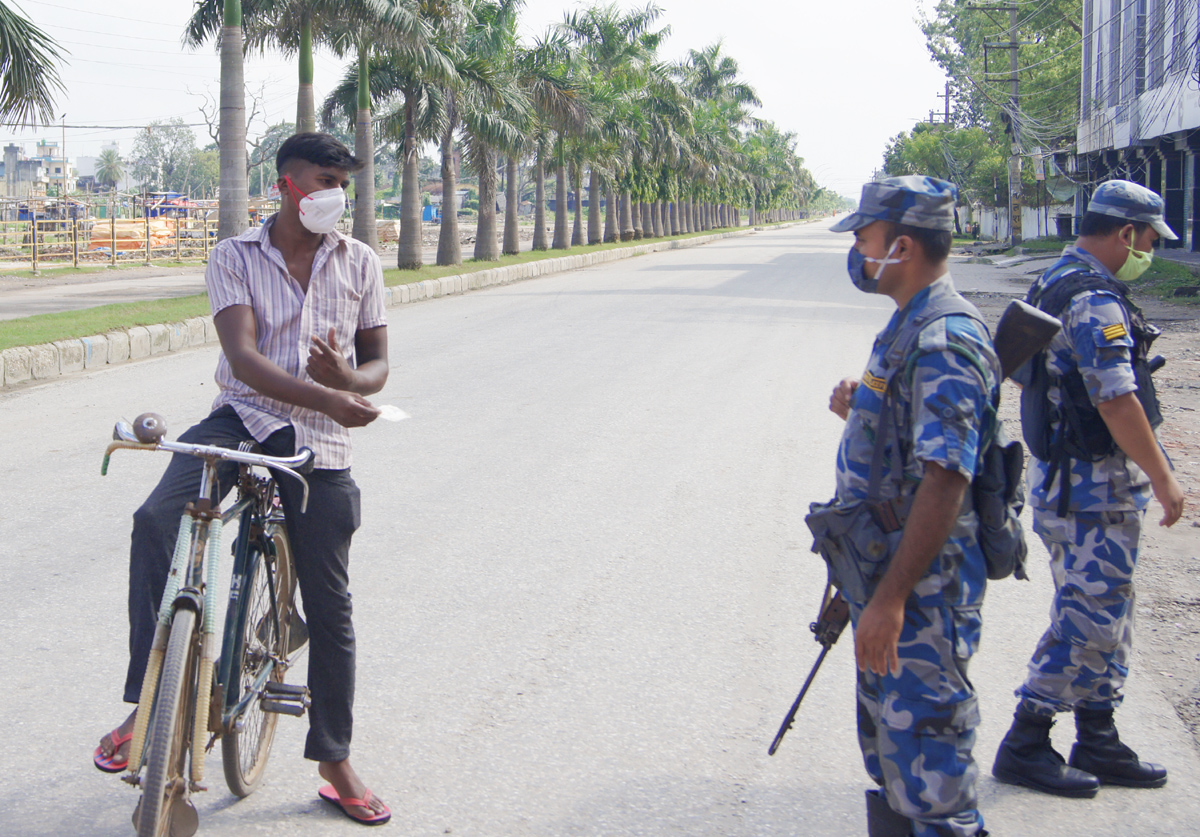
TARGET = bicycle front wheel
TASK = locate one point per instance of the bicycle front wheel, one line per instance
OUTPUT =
(268, 597)
(165, 783)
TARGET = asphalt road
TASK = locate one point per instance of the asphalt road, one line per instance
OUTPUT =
(582, 582)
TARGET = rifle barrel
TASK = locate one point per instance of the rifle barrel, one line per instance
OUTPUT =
(791, 715)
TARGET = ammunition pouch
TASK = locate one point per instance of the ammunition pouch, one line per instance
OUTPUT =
(857, 541)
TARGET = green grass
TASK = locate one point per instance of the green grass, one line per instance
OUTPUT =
(396, 276)
(1164, 277)
(66, 325)
(46, 270)
(1038, 245)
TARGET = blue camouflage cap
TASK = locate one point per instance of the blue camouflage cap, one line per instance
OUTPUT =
(915, 200)
(1131, 202)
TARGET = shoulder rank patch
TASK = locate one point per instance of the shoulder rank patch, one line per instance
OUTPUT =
(1114, 332)
(874, 382)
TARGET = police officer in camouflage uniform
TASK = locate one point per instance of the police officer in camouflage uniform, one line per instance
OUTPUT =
(1092, 530)
(916, 631)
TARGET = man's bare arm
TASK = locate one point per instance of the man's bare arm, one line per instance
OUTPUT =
(935, 508)
(1126, 421)
(236, 329)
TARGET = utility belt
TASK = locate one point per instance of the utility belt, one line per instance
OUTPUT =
(858, 539)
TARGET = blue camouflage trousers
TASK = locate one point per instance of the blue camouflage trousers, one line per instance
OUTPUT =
(916, 729)
(1083, 658)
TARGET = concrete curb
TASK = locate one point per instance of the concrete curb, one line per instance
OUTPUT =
(28, 364)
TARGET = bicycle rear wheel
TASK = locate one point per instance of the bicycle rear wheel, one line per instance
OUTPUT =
(244, 751)
(165, 783)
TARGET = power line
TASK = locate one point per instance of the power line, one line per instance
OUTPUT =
(174, 26)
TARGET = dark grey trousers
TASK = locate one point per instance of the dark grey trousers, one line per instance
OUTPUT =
(320, 542)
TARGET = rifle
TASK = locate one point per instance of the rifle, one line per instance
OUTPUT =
(835, 615)
(1022, 332)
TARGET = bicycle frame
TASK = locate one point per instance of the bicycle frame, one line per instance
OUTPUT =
(189, 586)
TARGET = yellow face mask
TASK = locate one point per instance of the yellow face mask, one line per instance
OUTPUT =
(1137, 264)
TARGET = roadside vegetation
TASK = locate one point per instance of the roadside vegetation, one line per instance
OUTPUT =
(67, 325)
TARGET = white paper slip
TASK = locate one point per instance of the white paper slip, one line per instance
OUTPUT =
(390, 412)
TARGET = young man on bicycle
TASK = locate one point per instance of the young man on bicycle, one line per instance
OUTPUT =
(300, 313)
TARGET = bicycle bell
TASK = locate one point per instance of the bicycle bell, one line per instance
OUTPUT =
(149, 428)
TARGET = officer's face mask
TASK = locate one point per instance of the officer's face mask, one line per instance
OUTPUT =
(856, 262)
(319, 211)
(1137, 264)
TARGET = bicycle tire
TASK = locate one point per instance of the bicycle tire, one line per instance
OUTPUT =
(244, 752)
(166, 777)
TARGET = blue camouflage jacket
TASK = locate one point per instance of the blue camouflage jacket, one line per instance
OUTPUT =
(941, 411)
(1095, 339)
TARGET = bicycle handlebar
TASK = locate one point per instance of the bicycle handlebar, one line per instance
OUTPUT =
(290, 465)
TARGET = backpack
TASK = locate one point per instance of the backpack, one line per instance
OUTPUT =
(1074, 430)
(997, 491)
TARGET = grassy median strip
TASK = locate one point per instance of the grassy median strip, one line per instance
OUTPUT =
(67, 325)
(46, 328)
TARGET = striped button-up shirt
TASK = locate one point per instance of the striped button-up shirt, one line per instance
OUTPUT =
(345, 293)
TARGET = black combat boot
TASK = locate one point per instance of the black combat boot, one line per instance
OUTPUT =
(1099, 751)
(1027, 758)
(882, 821)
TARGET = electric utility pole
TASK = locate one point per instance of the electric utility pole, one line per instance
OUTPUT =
(1014, 160)
(1014, 157)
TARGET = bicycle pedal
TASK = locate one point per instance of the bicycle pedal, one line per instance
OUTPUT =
(284, 690)
(282, 707)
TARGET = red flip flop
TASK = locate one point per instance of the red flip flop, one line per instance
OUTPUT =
(330, 795)
(107, 763)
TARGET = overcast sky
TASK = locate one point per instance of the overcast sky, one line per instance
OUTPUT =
(843, 76)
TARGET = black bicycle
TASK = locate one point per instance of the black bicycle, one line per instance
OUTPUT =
(192, 696)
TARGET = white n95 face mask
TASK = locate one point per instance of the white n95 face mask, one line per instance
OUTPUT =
(319, 211)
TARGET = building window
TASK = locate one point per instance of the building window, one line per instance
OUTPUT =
(1158, 35)
(1179, 32)
(1114, 54)
(1086, 85)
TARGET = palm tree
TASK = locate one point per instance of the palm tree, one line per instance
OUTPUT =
(617, 51)
(293, 25)
(109, 168)
(415, 77)
(28, 78)
(233, 213)
(544, 73)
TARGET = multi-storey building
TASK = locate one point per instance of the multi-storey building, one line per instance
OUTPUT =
(1140, 103)
(21, 177)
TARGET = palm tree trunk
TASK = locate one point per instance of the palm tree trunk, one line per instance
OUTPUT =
(409, 255)
(611, 233)
(636, 211)
(647, 221)
(577, 193)
(539, 201)
(673, 216)
(487, 248)
(628, 231)
(561, 239)
(512, 197)
(306, 111)
(364, 149)
(656, 218)
(234, 212)
(449, 244)
(593, 227)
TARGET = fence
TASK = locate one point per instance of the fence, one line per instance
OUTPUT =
(125, 230)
